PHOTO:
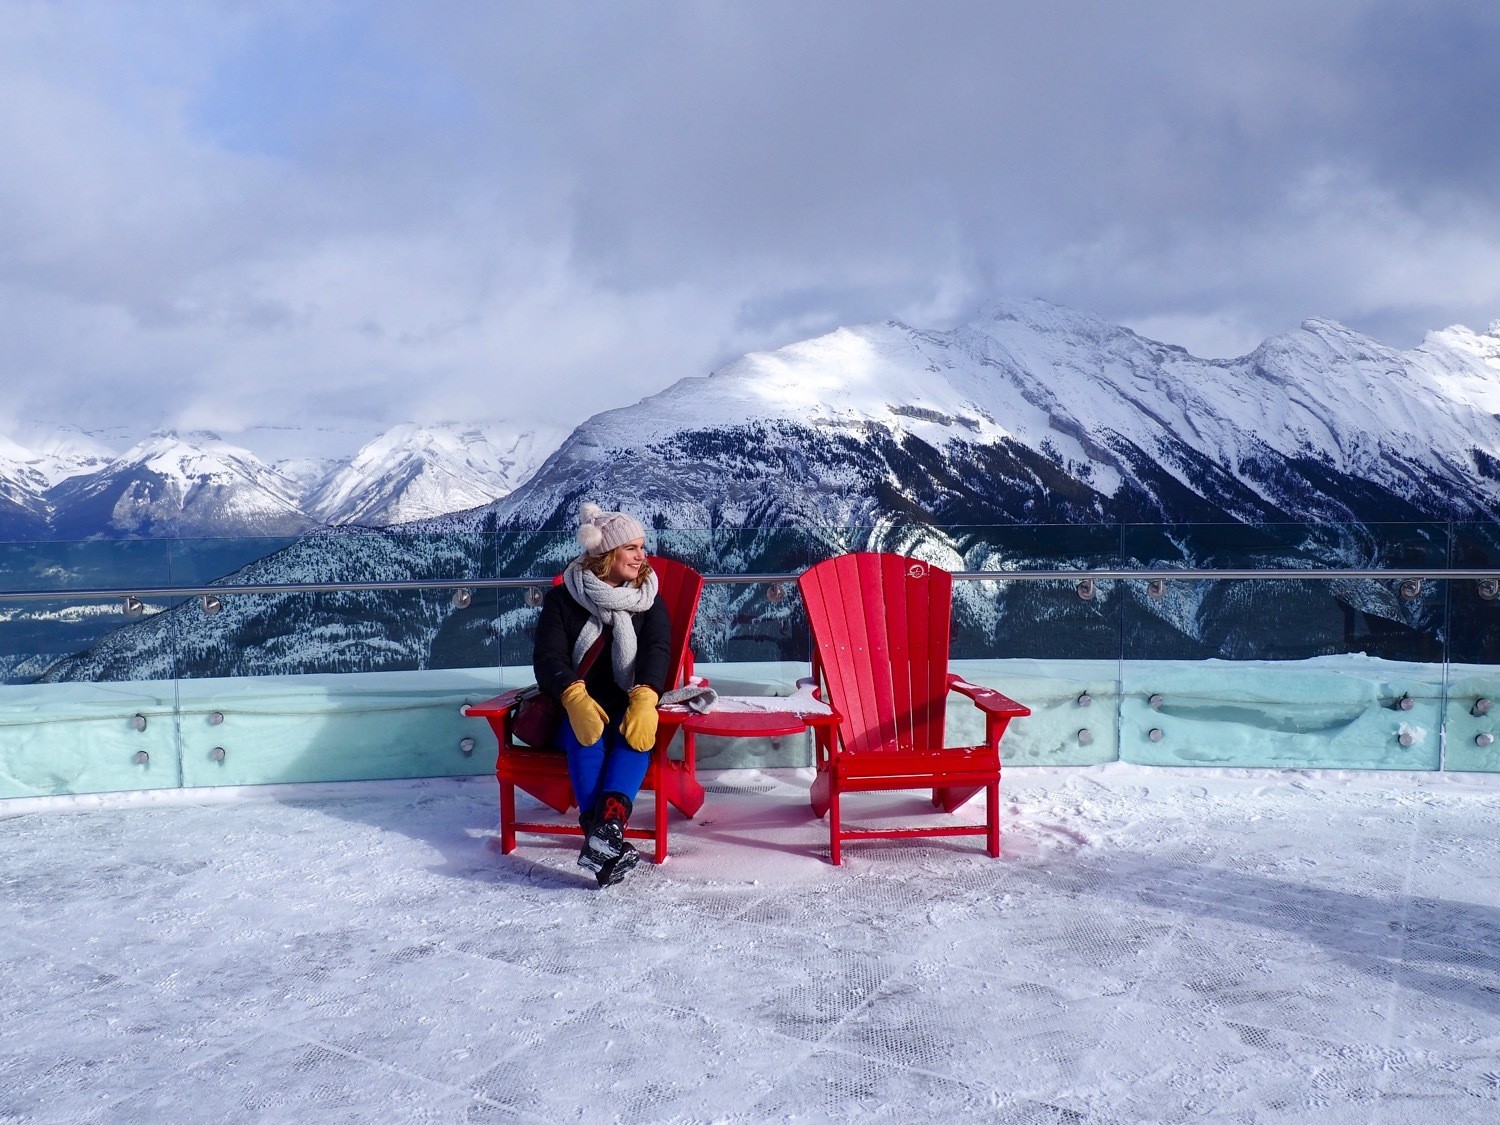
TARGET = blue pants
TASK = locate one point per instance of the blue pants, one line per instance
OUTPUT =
(606, 766)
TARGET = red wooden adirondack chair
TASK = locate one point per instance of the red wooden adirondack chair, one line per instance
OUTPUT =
(880, 630)
(544, 772)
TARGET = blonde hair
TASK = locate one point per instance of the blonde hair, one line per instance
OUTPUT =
(599, 566)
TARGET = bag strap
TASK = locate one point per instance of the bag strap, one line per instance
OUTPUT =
(589, 657)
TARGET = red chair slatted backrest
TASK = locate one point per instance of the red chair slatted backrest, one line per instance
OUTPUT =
(678, 587)
(880, 629)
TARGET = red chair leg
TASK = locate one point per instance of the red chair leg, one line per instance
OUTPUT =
(507, 818)
(835, 852)
(992, 809)
(660, 813)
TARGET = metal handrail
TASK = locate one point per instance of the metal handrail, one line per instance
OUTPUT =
(1479, 574)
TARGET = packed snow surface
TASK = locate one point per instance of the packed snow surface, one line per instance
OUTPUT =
(1153, 946)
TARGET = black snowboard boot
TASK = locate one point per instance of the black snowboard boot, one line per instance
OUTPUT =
(619, 867)
(606, 835)
(587, 857)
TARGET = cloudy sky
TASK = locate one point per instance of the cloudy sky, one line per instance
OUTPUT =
(240, 215)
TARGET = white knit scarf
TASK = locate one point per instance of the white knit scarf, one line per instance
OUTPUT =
(613, 606)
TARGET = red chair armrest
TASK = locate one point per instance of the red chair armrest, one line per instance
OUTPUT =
(988, 700)
(499, 705)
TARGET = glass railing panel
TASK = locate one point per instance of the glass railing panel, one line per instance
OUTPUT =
(305, 687)
(1291, 546)
(1052, 645)
(1283, 673)
(1044, 644)
(95, 564)
(68, 726)
(204, 562)
(1472, 711)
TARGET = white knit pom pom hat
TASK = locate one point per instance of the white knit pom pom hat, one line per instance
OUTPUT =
(600, 532)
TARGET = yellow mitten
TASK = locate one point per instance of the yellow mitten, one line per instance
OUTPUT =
(639, 724)
(586, 717)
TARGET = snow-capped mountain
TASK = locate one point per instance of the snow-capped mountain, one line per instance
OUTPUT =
(23, 511)
(196, 484)
(1036, 413)
(172, 484)
(963, 446)
(415, 472)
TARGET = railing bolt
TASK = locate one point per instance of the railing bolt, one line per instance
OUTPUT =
(1483, 738)
(463, 597)
(1406, 702)
(466, 744)
(141, 758)
(1489, 588)
(131, 606)
(138, 722)
(534, 596)
(1156, 587)
(211, 604)
(1481, 707)
(1085, 737)
(217, 753)
(1086, 589)
(1155, 702)
(775, 593)
(1085, 699)
(215, 718)
(1156, 734)
(1411, 588)
(1406, 738)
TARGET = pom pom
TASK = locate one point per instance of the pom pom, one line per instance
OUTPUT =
(588, 511)
(591, 538)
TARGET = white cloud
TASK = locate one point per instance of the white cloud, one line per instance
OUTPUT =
(230, 216)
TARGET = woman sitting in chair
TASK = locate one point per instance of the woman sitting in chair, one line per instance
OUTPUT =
(601, 649)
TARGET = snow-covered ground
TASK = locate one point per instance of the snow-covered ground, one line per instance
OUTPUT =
(1155, 945)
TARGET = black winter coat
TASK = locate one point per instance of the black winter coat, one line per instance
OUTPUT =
(557, 632)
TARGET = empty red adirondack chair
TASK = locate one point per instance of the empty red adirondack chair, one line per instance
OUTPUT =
(880, 628)
(543, 772)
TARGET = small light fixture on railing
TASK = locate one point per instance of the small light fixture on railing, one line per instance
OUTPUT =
(1086, 589)
(138, 722)
(1489, 588)
(775, 593)
(217, 754)
(1483, 738)
(1411, 588)
(1481, 707)
(1085, 737)
(463, 598)
(141, 758)
(466, 745)
(1085, 699)
(131, 606)
(534, 596)
(1155, 702)
(1156, 734)
(1406, 702)
(211, 604)
(1156, 588)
